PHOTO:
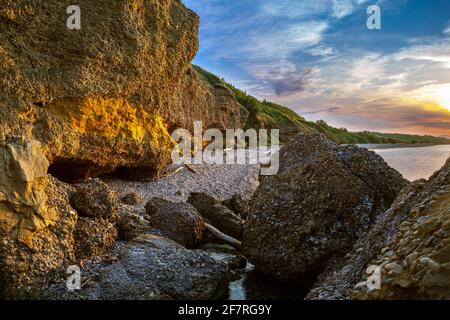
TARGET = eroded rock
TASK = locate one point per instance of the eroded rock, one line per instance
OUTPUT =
(130, 224)
(105, 106)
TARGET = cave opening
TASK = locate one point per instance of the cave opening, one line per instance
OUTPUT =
(73, 171)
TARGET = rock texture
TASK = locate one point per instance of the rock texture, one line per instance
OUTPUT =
(152, 267)
(217, 214)
(37, 234)
(414, 253)
(133, 199)
(179, 222)
(238, 205)
(94, 199)
(130, 224)
(343, 273)
(323, 199)
(93, 237)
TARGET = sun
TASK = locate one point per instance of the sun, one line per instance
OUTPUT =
(442, 96)
(438, 94)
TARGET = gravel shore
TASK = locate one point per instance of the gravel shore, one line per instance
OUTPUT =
(219, 181)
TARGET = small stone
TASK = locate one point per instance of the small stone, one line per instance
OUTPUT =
(412, 257)
(133, 199)
(433, 265)
(394, 267)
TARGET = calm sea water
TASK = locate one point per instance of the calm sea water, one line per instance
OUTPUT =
(413, 162)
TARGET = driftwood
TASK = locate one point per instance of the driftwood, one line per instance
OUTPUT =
(190, 168)
(223, 237)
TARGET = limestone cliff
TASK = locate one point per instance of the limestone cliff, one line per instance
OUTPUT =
(79, 103)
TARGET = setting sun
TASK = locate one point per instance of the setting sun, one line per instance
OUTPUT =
(436, 93)
(443, 96)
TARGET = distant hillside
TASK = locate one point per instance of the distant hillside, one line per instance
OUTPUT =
(269, 115)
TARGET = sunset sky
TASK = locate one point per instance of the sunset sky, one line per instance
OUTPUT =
(319, 58)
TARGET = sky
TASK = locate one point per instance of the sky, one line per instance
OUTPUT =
(320, 59)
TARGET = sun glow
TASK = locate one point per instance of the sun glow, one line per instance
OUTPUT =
(443, 97)
(439, 94)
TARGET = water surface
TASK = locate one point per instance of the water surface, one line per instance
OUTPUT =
(413, 162)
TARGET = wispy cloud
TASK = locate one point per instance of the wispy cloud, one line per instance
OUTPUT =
(342, 8)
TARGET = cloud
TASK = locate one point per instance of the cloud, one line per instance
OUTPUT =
(294, 9)
(447, 30)
(292, 82)
(321, 51)
(342, 8)
(285, 41)
(405, 90)
(307, 55)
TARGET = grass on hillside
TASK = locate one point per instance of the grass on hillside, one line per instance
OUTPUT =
(269, 115)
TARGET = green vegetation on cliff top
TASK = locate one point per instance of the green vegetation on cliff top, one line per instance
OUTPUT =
(269, 115)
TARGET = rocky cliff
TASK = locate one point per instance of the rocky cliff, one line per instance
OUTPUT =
(79, 103)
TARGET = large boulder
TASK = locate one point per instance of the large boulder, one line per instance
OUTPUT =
(413, 255)
(217, 214)
(105, 97)
(179, 222)
(151, 267)
(322, 200)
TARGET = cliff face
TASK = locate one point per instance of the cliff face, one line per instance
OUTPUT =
(79, 103)
(108, 95)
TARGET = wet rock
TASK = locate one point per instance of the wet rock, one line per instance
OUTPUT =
(179, 222)
(133, 199)
(93, 237)
(131, 225)
(217, 214)
(227, 255)
(94, 199)
(152, 267)
(323, 199)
